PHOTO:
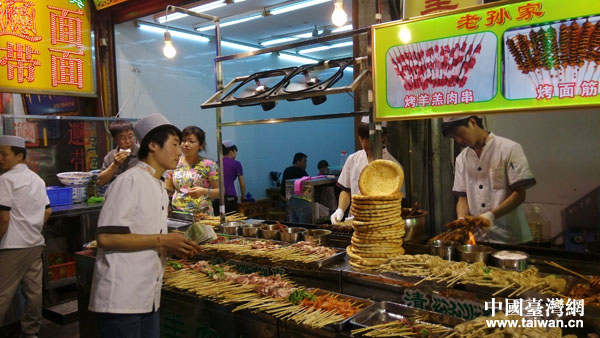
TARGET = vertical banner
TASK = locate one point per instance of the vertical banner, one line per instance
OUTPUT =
(414, 8)
(515, 56)
(45, 47)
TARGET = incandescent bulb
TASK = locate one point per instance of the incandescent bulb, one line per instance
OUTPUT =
(339, 16)
(169, 50)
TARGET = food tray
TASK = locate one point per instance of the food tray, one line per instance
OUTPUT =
(411, 279)
(385, 312)
(339, 256)
(343, 325)
(571, 281)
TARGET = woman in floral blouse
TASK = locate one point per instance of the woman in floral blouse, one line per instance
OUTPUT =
(195, 181)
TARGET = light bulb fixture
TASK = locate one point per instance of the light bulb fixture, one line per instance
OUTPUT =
(169, 50)
(339, 17)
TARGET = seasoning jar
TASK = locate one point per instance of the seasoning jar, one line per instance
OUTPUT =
(538, 224)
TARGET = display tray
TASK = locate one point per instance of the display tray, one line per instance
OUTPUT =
(338, 256)
(385, 312)
(411, 279)
(571, 281)
(365, 304)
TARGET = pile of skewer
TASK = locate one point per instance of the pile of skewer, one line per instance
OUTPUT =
(548, 56)
(216, 220)
(289, 253)
(435, 269)
(228, 292)
(400, 328)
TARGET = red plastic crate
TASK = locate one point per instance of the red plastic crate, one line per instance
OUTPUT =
(60, 266)
(61, 271)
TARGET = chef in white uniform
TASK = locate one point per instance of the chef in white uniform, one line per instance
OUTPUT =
(133, 240)
(490, 180)
(24, 208)
(348, 180)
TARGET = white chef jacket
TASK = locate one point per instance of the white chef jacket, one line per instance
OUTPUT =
(131, 281)
(489, 179)
(23, 192)
(354, 166)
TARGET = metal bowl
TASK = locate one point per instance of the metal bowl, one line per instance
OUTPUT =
(474, 253)
(415, 226)
(232, 228)
(270, 231)
(317, 236)
(292, 235)
(445, 249)
(250, 230)
(508, 259)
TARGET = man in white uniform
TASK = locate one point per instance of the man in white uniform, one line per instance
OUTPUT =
(133, 240)
(348, 180)
(490, 180)
(24, 208)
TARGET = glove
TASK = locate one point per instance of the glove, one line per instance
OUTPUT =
(489, 218)
(337, 216)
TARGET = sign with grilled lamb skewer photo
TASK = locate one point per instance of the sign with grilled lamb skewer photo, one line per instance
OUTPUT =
(497, 57)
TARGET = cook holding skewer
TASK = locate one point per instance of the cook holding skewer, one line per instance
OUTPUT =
(490, 180)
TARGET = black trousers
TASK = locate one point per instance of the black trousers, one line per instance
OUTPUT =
(231, 204)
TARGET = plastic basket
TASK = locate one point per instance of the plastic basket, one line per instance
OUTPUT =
(60, 195)
(60, 266)
(61, 271)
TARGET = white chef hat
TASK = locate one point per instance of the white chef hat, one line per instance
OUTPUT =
(228, 143)
(13, 141)
(365, 119)
(455, 118)
(148, 123)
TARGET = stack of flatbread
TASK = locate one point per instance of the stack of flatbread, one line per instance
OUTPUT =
(378, 225)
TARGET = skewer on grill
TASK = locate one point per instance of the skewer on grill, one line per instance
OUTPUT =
(594, 281)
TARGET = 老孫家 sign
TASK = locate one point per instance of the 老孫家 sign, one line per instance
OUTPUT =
(45, 47)
(511, 57)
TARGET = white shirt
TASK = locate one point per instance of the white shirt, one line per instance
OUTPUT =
(489, 179)
(131, 281)
(354, 166)
(24, 192)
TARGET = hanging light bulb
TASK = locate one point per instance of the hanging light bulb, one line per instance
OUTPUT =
(169, 50)
(339, 16)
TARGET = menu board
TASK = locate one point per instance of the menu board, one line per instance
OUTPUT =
(516, 56)
(45, 47)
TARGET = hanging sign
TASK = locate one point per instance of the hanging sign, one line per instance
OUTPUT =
(45, 47)
(513, 57)
(414, 8)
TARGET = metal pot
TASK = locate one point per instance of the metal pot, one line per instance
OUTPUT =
(231, 228)
(292, 235)
(270, 231)
(445, 249)
(250, 230)
(317, 236)
(415, 225)
(518, 261)
(474, 253)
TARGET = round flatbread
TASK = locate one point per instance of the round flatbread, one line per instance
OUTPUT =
(375, 224)
(377, 212)
(377, 198)
(381, 177)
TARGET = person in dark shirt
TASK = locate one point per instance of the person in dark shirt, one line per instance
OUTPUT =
(296, 170)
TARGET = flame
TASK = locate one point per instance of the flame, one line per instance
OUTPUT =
(471, 239)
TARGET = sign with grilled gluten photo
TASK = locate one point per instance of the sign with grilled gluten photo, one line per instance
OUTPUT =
(513, 56)
(46, 48)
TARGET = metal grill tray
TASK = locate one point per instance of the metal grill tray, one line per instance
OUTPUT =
(366, 304)
(385, 312)
(339, 256)
(571, 281)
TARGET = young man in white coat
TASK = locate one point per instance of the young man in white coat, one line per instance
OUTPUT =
(133, 240)
(490, 180)
(24, 208)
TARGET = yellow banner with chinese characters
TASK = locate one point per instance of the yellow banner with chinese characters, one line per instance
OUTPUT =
(46, 48)
(414, 8)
